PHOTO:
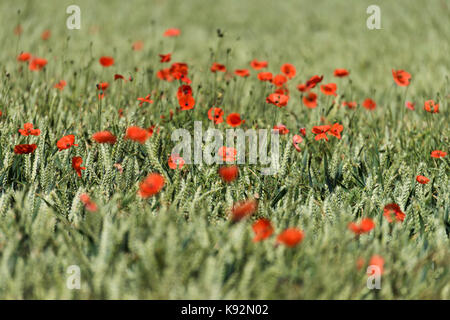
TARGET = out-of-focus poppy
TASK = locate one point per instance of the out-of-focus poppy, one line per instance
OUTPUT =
(37, 64)
(45, 35)
(215, 115)
(329, 89)
(172, 32)
(137, 45)
(377, 260)
(289, 70)
(401, 77)
(228, 154)
(365, 226)
(228, 173)
(350, 104)
(242, 73)
(310, 100)
(76, 165)
(302, 87)
(88, 203)
(24, 56)
(302, 132)
(175, 161)
(24, 148)
(60, 85)
(106, 61)
(313, 81)
(28, 130)
(422, 179)
(392, 211)
(291, 237)
(66, 142)
(243, 209)
(263, 229)
(104, 137)
(218, 67)
(165, 57)
(265, 76)
(257, 65)
(234, 119)
(279, 80)
(18, 30)
(341, 73)
(279, 100)
(184, 90)
(438, 154)
(369, 104)
(151, 185)
(119, 76)
(146, 99)
(321, 132)
(137, 134)
(296, 140)
(410, 105)
(431, 106)
(281, 128)
(336, 130)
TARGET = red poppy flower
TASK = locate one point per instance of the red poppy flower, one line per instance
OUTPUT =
(279, 100)
(151, 185)
(88, 203)
(175, 161)
(18, 30)
(341, 73)
(228, 154)
(279, 80)
(350, 104)
(302, 87)
(242, 72)
(137, 134)
(369, 104)
(257, 65)
(296, 140)
(263, 229)
(336, 130)
(146, 99)
(66, 142)
(165, 74)
(281, 128)
(104, 137)
(392, 210)
(45, 35)
(119, 76)
(184, 90)
(172, 32)
(321, 132)
(24, 56)
(60, 85)
(234, 120)
(215, 115)
(401, 77)
(265, 76)
(243, 209)
(102, 86)
(37, 64)
(291, 237)
(165, 57)
(289, 70)
(438, 154)
(365, 226)
(24, 148)
(302, 131)
(422, 179)
(377, 260)
(218, 67)
(186, 102)
(179, 70)
(310, 100)
(137, 45)
(229, 173)
(106, 61)
(431, 106)
(329, 89)
(410, 105)
(311, 83)
(151, 129)
(76, 164)
(28, 130)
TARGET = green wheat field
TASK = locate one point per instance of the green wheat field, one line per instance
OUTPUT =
(353, 199)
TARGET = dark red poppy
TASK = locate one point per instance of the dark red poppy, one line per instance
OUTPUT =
(104, 137)
(229, 173)
(106, 61)
(66, 142)
(24, 148)
(184, 90)
(234, 120)
(392, 211)
(76, 164)
(165, 57)
(242, 73)
(218, 67)
(313, 81)
(151, 185)
(341, 73)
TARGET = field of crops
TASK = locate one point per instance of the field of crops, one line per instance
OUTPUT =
(95, 204)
